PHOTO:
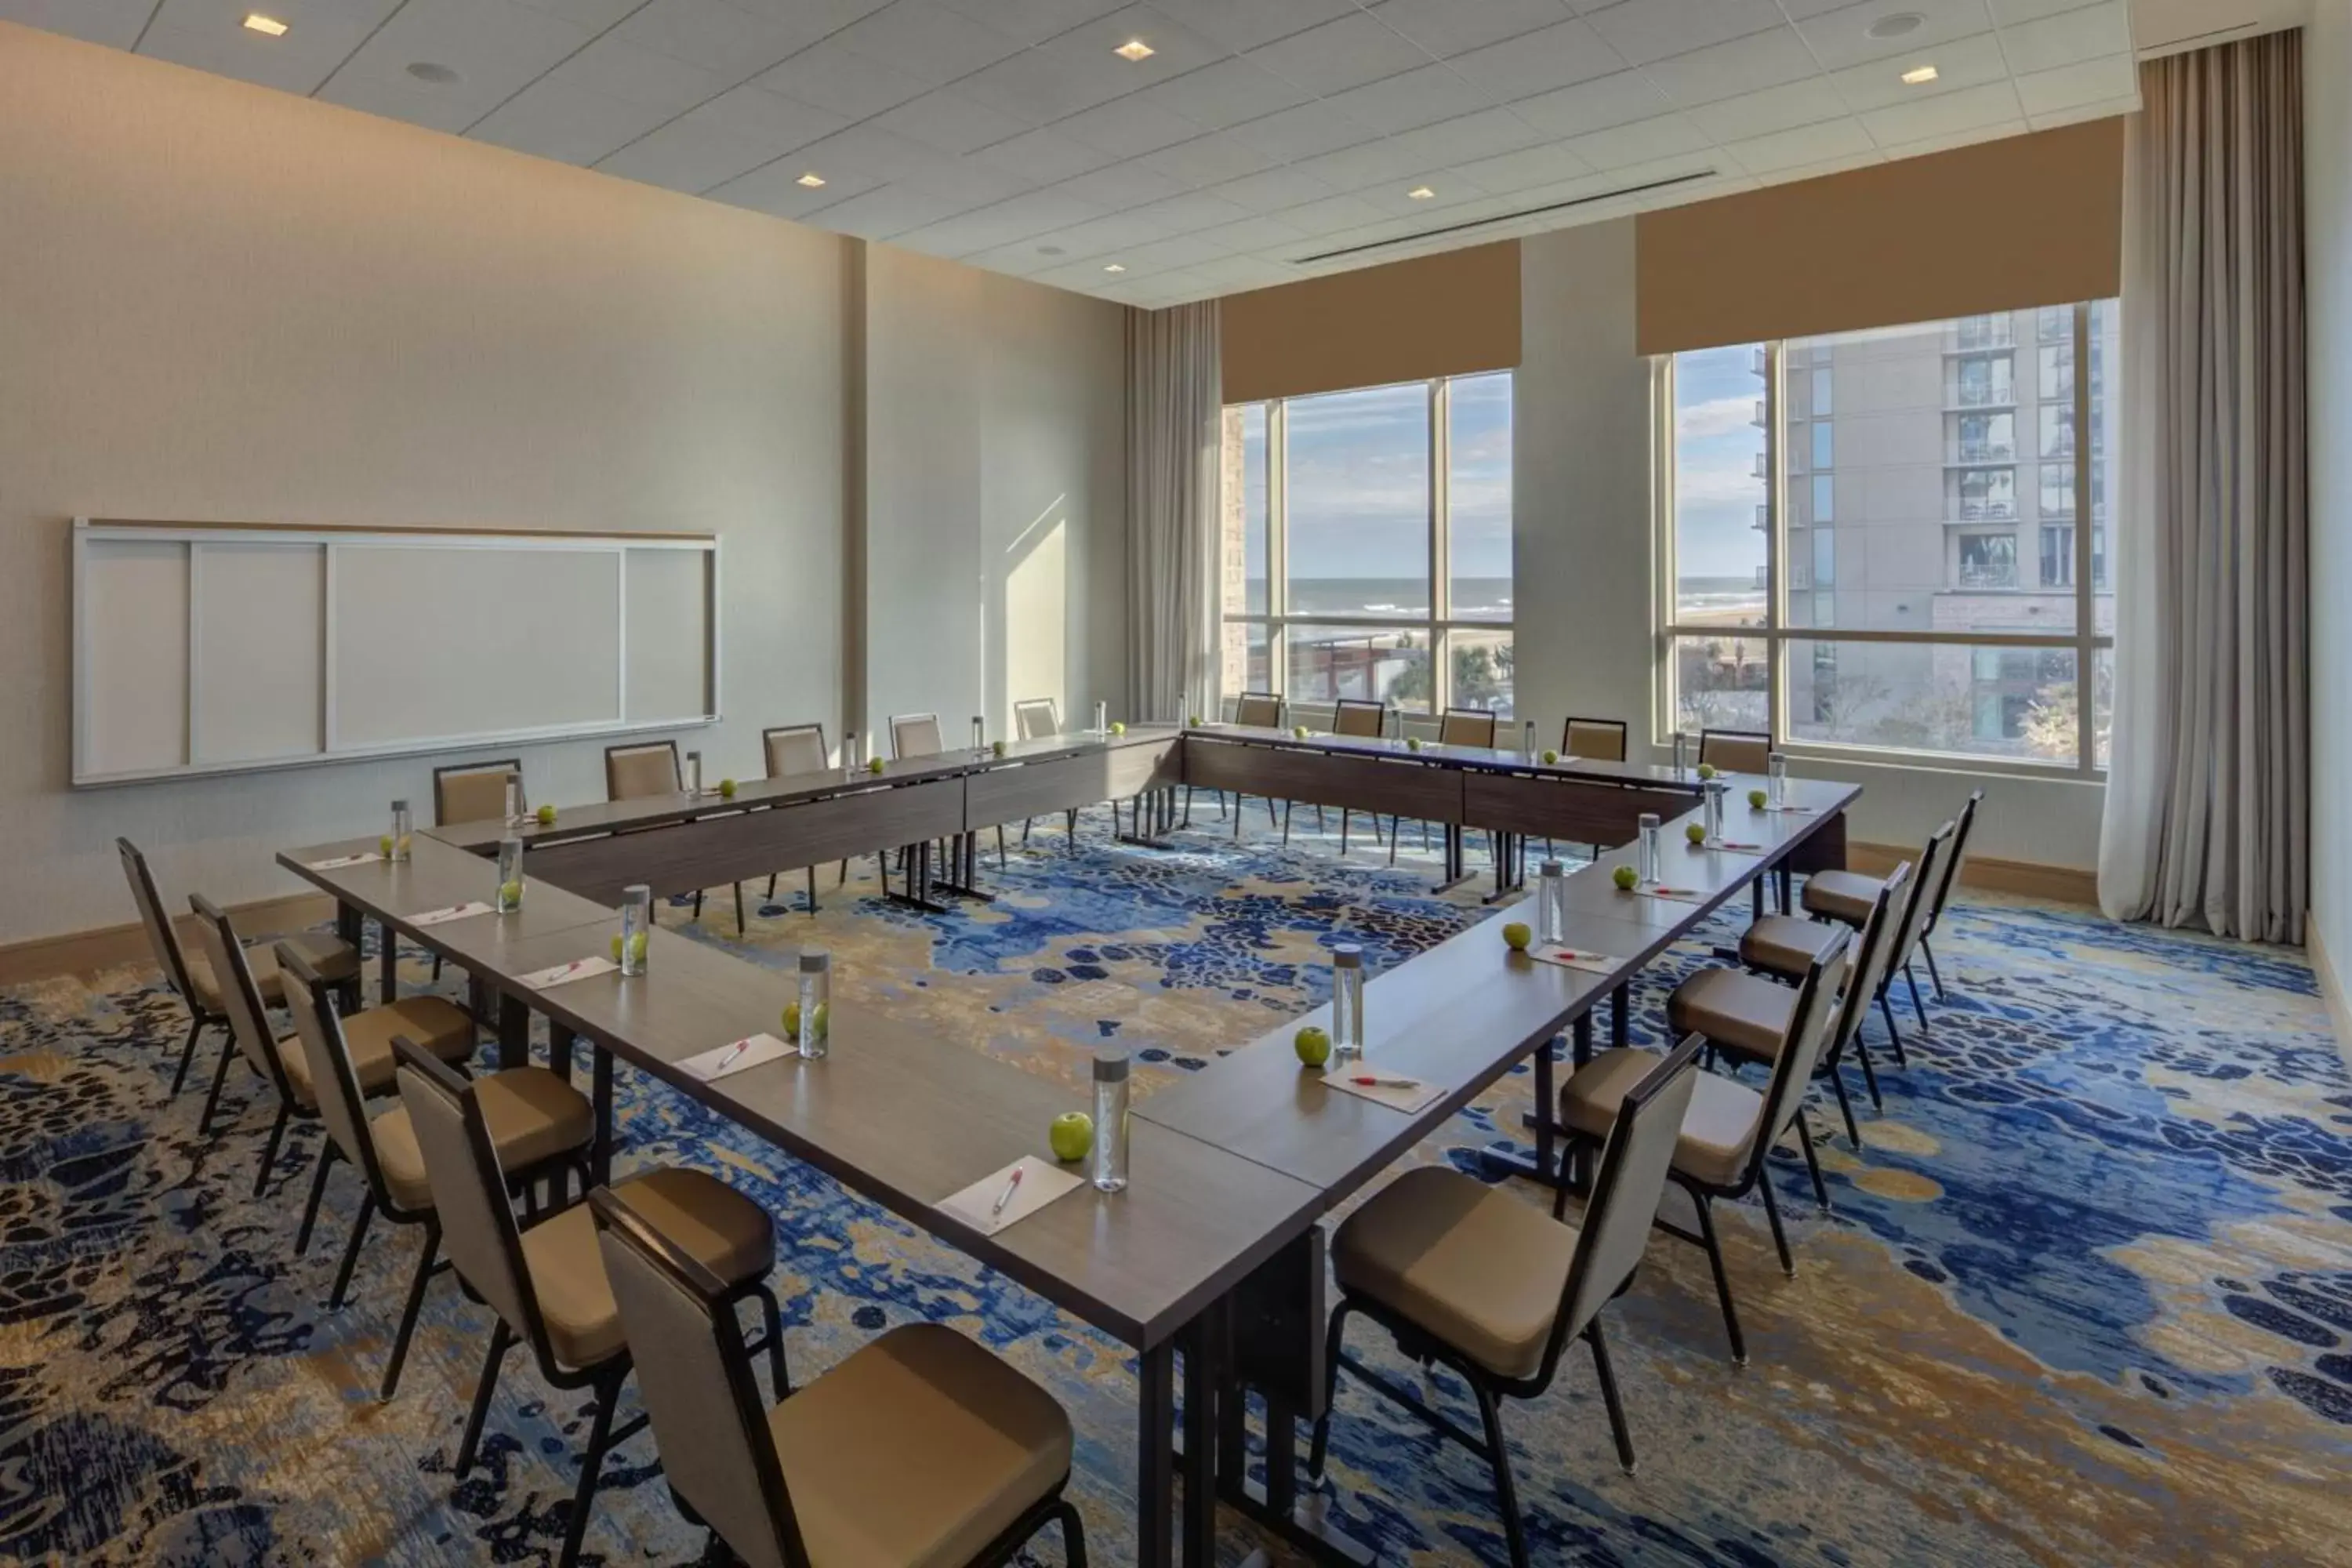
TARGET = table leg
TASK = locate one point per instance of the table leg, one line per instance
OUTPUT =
(559, 1051)
(514, 1033)
(1544, 1167)
(600, 1099)
(1455, 871)
(1155, 1459)
(387, 959)
(351, 926)
(1202, 1373)
(1621, 1020)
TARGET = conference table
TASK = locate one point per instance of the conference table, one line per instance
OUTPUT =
(1215, 1248)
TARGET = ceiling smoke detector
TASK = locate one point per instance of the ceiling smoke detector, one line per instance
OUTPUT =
(1896, 25)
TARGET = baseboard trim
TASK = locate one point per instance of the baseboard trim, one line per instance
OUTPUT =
(2331, 985)
(88, 952)
(2030, 879)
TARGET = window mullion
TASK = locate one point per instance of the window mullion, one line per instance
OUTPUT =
(1278, 545)
(1440, 500)
(2085, 622)
(1776, 538)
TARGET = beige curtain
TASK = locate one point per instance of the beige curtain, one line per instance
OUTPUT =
(2207, 795)
(1173, 398)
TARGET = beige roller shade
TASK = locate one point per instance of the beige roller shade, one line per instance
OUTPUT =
(1449, 314)
(2000, 226)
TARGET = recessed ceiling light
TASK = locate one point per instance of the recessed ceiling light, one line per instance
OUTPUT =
(813, 181)
(1133, 49)
(1900, 24)
(435, 72)
(1114, 267)
(1919, 75)
(1420, 194)
(268, 26)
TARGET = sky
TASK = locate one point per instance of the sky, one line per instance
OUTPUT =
(1715, 445)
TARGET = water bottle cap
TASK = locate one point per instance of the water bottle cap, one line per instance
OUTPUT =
(1110, 1066)
(1553, 868)
(1347, 955)
(400, 806)
(1649, 819)
(815, 961)
(638, 893)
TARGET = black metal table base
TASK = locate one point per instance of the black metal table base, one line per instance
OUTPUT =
(1157, 808)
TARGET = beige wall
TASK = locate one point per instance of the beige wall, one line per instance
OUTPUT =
(2327, 271)
(222, 302)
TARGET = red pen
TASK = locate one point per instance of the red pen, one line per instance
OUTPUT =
(1006, 1197)
(1368, 1081)
(734, 1053)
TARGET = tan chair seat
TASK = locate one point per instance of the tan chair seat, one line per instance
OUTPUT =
(1840, 896)
(1476, 1268)
(332, 956)
(723, 1230)
(1784, 945)
(922, 1401)
(1717, 1131)
(433, 1024)
(532, 1116)
(1743, 1013)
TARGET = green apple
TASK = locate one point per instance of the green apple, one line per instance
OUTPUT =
(1517, 936)
(1412, 742)
(547, 816)
(1313, 1045)
(1695, 832)
(726, 789)
(792, 1020)
(1626, 877)
(1299, 732)
(875, 766)
(383, 845)
(1550, 757)
(510, 894)
(1072, 1135)
(1194, 722)
(996, 748)
(1706, 770)
(1118, 726)
(1756, 799)
(636, 946)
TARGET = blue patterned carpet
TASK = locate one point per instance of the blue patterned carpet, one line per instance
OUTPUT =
(2086, 1296)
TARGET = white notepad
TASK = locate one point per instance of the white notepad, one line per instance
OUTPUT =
(1582, 958)
(1041, 1184)
(1732, 847)
(725, 1061)
(367, 857)
(564, 973)
(1670, 893)
(466, 911)
(1394, 1089)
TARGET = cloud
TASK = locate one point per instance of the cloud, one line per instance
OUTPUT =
(1715, 416)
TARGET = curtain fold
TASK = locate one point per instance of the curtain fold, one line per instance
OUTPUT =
(1174, 377)
(2208, 794)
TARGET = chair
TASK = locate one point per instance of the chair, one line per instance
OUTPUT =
(1845, 897)
(643, 768)
(799, 749)
(1465, 1274)
(1943, 886)
(1455, 727)
(920, 1448)
(1736, 751)
(475, 791)
(197, 983)
(1746, 1016)
(538, 1123)
(546, 1283)
(447, 1030)
(1256, 710)
(1594, 740)
(1039, 719)
(1351, 716)
(1730, 1129)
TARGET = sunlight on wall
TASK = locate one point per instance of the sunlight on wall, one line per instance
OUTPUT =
(1036, 616)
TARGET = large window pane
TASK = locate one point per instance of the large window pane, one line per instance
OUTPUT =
(1383, 664)
(1480, 662)
(1722, 682)
(2103, 700)
(1245, 516)
(1478, 497)
(1722, 523)
(2015, 703)
(1244, 663)
(2107, 342)
(1357, 487)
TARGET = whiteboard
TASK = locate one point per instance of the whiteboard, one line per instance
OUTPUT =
(219, 647)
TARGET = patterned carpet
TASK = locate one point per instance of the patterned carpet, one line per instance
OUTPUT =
(2085, 1297)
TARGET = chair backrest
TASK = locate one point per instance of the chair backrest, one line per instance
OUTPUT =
(334, 1079)
(1467, 726)
(249, 1019)
(1810, 1023)
(1594, 740)
(915, 735)
(1353, 716)
(695, 1378)
(795, 749)
(640, 769)
(1736, 751)
(1258, 710)
(1036, 718)
(1951, 875)
(469, 1189)
(1873, 952)
(160, 937)
(1934, 855)
(475, 791)
(1631, 1179)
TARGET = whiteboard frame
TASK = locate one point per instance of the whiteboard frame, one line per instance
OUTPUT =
(88, 530)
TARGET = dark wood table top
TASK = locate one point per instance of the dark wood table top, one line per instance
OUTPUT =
(438, 876)
(1583, 769)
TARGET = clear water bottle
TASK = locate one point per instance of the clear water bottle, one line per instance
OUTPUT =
(1551, 905)
(815, 1002)
(1776, 781)
(850, 761)
(636, 921)
(1346, 1001)
(1682, 753)
(694, 773)
(979, 734)
(509, 875)
(1527, 739)
(396, 841)
(1110, 1120)
(1102, 719)
(1652, 862)
(514, 797)
(1711, 795)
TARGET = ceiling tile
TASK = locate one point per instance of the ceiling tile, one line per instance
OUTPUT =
(871, 151)
(497, 47)
(1537, 62)
(2104, 109)
(1127, 128)
(1241, 26)
(114, 22)
(1041, 157)
(774, 188)
(926, 40)
(1448, 189)
(1763, 114)
(1527, 169)
(209, 34)
(1594, 105)
(1963, 63)
(972, 184)
(1097, 236)
(637, 74)
(1226, 93)
(1484, 134)
(1030, 214)
(388, 98)
(2009, 12)
(1122, 186)
(1207, 159)
(2072, 87)
(1339, 54)
(565, 122)
(1032, 21)
(1646, 30)
(1353, 168)
(688, 155)
(1253, 234)
(1841, 38)
(713, 35)
(1993, 131)
(1455, 26)
(589, 16)
(1303, 131)
(1275, 191)
(1231, 274)
(1843, 138)
(764, 119)
(949, 122)
(1181, 215)
(1967, 110)
(1409, 101)
(1041, 84)
(1623, 145)
(833, 76)
(2070, 37)
(1179, 250)
(1175, 48)
(888, 210)
(1333, 214)
(1728, 70)
(1020, 259)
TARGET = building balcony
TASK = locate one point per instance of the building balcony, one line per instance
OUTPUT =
(1763, 465)
(1981, 454)
(1972, 398)
(1759, 419)
(1756, 362)
(1981, 578)
(1973, 335)
(1982, 511)
(1763, 523)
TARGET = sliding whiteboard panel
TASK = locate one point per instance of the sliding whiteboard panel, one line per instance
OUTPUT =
(216, 648)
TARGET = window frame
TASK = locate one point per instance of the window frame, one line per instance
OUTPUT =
(1780, 638)
(1438, 627)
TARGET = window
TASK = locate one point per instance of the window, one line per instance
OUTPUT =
(1822, 404)
(1975, 596)
(1366, 545)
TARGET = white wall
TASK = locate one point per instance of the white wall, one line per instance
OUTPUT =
(218, 301)
(2328, 273)
(1583, 454)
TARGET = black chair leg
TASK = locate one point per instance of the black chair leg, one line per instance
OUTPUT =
(270, 1150)
(780, 1378)
(1869, 1073)
(1321, 1446)
(1286, 822)
(1238, 802)
(1929, 955)
(742, 926)
(188, 1052)
(1722, 1279)
(1845, 1109)
(1812, 1162)
(327, 1152)
(1514, 1531)
(1607, 1373)
(1912, 979)
(1074, 1535)
(501, 1339)
(408, 1313)
(698, 903)
(811, 884)
(1344, 814)
(352, 1253)
(592, 1460)
(1000, 846)
(1886, 1010)
(220, 1076)
(771, 884)
(1773, 1215)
